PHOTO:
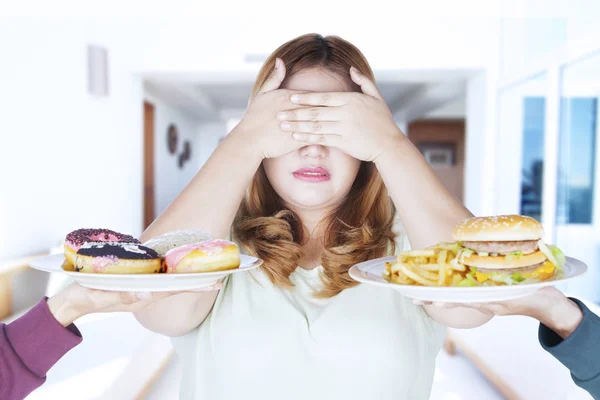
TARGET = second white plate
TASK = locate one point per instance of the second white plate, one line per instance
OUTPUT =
(371, 273)
(143, 282)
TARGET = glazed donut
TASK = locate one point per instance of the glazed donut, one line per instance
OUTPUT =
(117, 258)
(78, 238)
(170, 240)
(210, 255)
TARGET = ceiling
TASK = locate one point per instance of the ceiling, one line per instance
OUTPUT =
(211, 97)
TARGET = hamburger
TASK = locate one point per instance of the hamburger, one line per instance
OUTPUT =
(505, 249)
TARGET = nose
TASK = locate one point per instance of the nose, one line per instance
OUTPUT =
(314, 151)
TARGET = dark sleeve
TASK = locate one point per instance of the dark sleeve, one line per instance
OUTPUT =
(29, 347)
(580, 351)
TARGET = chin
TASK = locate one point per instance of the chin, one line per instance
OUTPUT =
(305, 198)
(309, 202)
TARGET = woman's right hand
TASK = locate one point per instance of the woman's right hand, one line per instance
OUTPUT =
(260, 125)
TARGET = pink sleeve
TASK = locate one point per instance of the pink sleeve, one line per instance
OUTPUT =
(29, 347)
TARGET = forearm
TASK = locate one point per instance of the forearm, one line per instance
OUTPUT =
(178, 314)
(563, 317)
(210, 201)
(426, 208)
(458, 317)
(63, 311)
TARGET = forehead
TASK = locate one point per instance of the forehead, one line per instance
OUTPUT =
(317, 80)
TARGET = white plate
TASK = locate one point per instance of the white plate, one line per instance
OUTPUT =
(370, 272)
(142, 282)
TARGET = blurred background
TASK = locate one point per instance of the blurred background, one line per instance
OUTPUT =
(106, 118)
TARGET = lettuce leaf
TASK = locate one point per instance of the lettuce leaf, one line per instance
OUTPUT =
(558, 254)
(467, 282)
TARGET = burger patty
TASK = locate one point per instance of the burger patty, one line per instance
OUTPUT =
(526, 246)
(522, 270)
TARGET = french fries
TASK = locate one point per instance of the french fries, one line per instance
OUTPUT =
(435, 266)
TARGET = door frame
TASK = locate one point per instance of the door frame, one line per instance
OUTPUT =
(148, 195)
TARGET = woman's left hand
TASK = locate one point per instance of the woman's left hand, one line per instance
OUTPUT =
(359, 124)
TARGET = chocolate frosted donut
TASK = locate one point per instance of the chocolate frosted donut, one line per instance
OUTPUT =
(117, 258)
(128, 251)
(81, 236)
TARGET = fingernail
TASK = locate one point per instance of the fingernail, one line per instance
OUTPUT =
(286, 125)
(281, 116)
(295, 98)
(298, 136)
(143, 295)
(439, 304)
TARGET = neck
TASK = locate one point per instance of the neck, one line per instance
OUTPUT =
(313, 247)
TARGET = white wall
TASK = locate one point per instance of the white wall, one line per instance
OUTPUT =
(533, 43)
(210, 134)
(479, 146)
(169, 179)
(453, 110)
(443, 43)
(67, 159)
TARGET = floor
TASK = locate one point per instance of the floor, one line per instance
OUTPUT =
(455, 379)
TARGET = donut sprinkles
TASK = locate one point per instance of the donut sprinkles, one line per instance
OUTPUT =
(78, 238)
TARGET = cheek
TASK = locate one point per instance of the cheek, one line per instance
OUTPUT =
(275, 169)
(347, 168)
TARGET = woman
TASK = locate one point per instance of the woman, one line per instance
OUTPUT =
(317, 164)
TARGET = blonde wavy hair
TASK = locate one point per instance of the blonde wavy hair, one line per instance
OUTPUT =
(359, 229)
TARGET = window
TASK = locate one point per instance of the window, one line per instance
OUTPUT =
(576, 160)
(578, 142)
(533, 156)
(519, 148)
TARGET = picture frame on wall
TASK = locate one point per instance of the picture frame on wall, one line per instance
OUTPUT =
(439, 154)
(172, 138)
(187, 150)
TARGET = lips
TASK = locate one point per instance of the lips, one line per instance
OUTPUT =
(312, 174)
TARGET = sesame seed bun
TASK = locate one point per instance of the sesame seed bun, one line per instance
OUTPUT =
(498, 229)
